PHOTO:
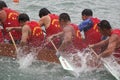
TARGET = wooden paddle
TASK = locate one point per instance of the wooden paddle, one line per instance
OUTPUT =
(114, 72)
(13, 41)
(65, 64)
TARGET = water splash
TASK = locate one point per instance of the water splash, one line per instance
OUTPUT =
(26, 58)
(82, 62)
(27, 55)
(112, 66)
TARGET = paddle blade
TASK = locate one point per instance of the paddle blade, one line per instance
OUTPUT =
(65, 64)
(112, 70)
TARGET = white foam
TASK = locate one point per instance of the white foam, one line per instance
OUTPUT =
(26, 61)
(79, 61)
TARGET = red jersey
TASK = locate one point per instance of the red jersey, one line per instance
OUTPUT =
(92, 35)
(53, 29)
(1, 36)
(54, 25)
(36, 36)
(77, 40)
(11, 21)
(116, 31)
(117, 51)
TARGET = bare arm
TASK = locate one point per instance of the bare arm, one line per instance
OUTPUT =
(44, 21)
(101, 43)
(111, 46)
(14, 28)
(55, 35)
(41, 22)
(67, 38)
(25, 34)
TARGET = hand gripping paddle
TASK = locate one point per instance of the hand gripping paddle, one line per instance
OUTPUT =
(113, 71)
(65, 64)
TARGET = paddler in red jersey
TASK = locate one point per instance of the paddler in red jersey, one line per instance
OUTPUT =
(70, 34)
(2, 5)
(32, 34)
(112, 44)
(89, 28)
(50, 23)
(9, 18)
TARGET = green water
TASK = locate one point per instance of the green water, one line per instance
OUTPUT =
(39, 70)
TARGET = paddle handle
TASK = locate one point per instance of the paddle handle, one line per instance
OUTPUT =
(94, 52)
(13, 41)
(65, 64)
(108, 67)
(54, 45)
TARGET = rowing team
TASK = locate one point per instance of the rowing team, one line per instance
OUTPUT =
(98, 35)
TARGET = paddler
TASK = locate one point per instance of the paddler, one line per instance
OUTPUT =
(32, 34)
(70, 34)
(89, 27)
(9, 18)
(51, 24)
(112, 44)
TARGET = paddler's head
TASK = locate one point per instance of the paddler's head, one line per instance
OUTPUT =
(23, 18)
(64, 19)
(2, 4)
(86, 13)
(104, 28)
(43, 12)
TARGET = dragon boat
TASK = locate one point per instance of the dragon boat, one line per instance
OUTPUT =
(45, 54)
